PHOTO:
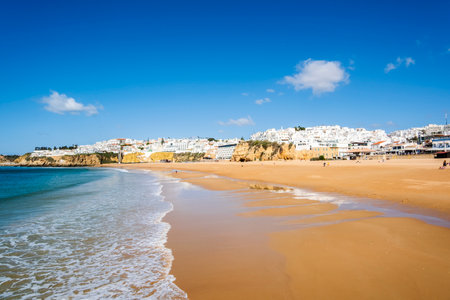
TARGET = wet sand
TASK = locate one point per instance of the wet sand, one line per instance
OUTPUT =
(219, 255)
(293, 210)
(231, 241)
(412, 182)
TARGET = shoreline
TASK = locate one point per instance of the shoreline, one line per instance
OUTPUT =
(409, 183)
(297, 247)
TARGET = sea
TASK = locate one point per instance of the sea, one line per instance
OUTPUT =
(84, 233)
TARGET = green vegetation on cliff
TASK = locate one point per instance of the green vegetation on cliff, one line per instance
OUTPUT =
(8, 158)
(107, 157)
(77, 160)
(188, 156)
(264, 144)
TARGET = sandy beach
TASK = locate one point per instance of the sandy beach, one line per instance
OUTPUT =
(414, 182)
(242, 236)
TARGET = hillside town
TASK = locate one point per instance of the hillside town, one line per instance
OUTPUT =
(326, 142)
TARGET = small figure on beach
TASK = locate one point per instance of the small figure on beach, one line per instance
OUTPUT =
(324, 164)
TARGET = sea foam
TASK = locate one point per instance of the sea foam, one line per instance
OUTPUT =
(102, 239)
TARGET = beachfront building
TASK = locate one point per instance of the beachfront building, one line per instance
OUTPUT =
(225, 152)
(400, 148)
(326, 152)
(442, 144)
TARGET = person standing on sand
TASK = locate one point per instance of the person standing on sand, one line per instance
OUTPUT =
(444, 164)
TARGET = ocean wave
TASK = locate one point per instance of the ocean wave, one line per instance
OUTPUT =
(110, 244)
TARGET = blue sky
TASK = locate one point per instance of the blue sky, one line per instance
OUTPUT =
(84, 71)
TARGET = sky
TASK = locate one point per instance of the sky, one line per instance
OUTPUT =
(77, 72)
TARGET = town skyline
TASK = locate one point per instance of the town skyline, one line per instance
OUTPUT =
(334, 142)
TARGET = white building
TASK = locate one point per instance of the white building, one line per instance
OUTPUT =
(343, 138)
(441, 144)
(225, 151)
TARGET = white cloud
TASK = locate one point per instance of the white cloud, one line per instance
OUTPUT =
(389, 67)
(244, 94)
(262, 101)
(407, 61)
(60, 104)
(270, 90)
(319, 75)
(238, 122)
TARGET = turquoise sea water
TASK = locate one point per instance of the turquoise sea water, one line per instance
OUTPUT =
(83, 233)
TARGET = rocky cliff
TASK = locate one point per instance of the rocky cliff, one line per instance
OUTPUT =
(263, 151)
(188, 156)
(133, 158)
(80, 160)
(162, 156)
(7, 159)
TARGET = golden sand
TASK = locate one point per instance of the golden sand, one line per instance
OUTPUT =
(272, 201)
(311, 209)
(217, 184)
(338, 216)
(415, 182)
(379, 258)
(236, 251)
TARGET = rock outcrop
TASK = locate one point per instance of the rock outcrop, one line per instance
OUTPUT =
(161, 156)
(80, 160)
(7, 159)
(263, 151)
(130, 158)
(188, 156)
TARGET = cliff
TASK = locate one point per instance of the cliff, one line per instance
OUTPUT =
(7, 159)
(3, 160)
(80, 160)
(263, 151)
(188, 156)
(161, 156)
(158, 156)
(133, 158)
